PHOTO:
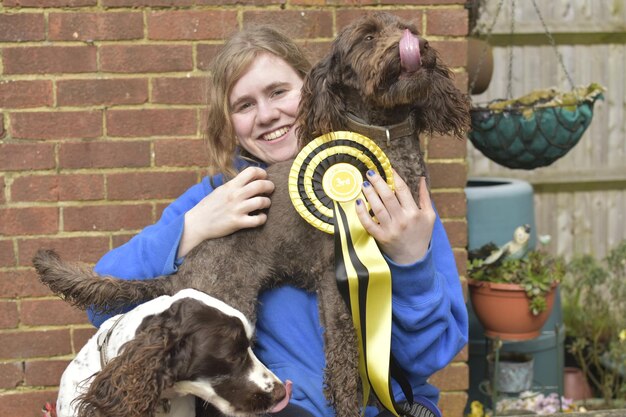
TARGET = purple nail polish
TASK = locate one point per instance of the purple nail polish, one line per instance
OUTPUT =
(366, 184)
(370, 173)
(359, 201)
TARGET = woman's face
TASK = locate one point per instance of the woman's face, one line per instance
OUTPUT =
(263, 105)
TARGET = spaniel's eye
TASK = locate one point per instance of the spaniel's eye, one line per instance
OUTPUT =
(369, 38)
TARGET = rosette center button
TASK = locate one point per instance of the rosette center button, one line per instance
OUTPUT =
(342, 182)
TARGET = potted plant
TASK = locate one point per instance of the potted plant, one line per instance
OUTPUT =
(513, 298)
(594, 313)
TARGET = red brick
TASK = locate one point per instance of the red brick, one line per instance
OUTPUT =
(22, 27)
(191, 24)
(76, 26)
(460, 256)
(151, 3)
(149, 185)
(454, 377)
(257, 3)
(111, 218)
(29, 220)
(81, 336)
(423, 2)
(84, 248)
(457, 232)
(347, 16)
(34, 343)
(49, 3)
(446, 147)
(180, 90)
(7, 254)
(119, 239)
(452, 404)
(452, 53)
(145, 58)
(450, 204)
(58, 187)
(50, 313)
(447, 22)
(26, 403)
(205, 54)
(9, 316)
(22, 283)
(11, 375)
(56, 125)
(104, 155)
(44, 372)
(448, 175)
(294, 23)
(180, 153)
(26, 156)
(49, 59)
(151, 122)
(22, 94)
(314, 51)
(2, 190)
(102, 92)
(2, 130)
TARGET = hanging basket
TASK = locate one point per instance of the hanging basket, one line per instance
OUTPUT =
(534, 130)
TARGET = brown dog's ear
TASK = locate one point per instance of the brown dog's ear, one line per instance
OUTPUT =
(320, 109)
(447, 111)
(131, 384)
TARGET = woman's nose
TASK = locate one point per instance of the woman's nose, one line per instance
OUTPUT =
(267, 112)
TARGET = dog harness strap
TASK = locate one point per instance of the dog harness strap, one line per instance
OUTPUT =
(381, 133)
(103, 342)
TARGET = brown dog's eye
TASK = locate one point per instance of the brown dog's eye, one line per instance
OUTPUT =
(369, 38)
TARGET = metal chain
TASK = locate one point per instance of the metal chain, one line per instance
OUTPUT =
(509, 85)
(510, 63)
(553, 43)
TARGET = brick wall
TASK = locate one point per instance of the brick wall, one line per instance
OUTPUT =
(101, 105)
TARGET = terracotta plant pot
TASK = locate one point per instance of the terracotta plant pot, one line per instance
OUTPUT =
(503, 310)
(575, 384)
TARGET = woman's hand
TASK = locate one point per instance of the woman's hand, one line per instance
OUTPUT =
(228, 209)
(404, 229)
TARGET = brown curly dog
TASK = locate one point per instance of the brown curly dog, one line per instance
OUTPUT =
(365, 84)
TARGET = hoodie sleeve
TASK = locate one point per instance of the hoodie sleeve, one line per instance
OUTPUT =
(152, 252)
(429, 315)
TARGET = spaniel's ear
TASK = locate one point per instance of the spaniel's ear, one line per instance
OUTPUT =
(320, 108)
(131, 384)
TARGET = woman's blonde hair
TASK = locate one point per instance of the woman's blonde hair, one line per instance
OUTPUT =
(227, 67)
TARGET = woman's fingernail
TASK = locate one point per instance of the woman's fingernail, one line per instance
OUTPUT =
(359, 201)
(366, 184)
(370, 173)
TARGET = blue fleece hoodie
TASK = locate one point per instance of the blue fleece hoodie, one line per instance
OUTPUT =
(429, 323)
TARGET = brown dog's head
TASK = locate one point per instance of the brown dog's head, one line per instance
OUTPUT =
(379, 70)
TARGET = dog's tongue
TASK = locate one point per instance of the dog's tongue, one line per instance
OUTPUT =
(410, 58)
(283, 403)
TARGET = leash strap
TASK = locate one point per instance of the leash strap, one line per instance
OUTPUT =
(103, 342)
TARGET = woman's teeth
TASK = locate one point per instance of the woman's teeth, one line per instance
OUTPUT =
(275, 134)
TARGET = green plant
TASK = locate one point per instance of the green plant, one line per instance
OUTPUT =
(536, 273)
(594, 313)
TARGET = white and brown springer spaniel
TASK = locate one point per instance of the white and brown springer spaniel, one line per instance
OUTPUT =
(156, 358)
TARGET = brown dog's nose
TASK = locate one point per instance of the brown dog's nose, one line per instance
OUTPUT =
(423, 45)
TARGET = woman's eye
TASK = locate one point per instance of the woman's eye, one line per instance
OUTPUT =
(277, 93)
(242, 107)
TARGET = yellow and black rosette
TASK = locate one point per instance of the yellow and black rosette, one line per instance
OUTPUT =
(324, 185)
